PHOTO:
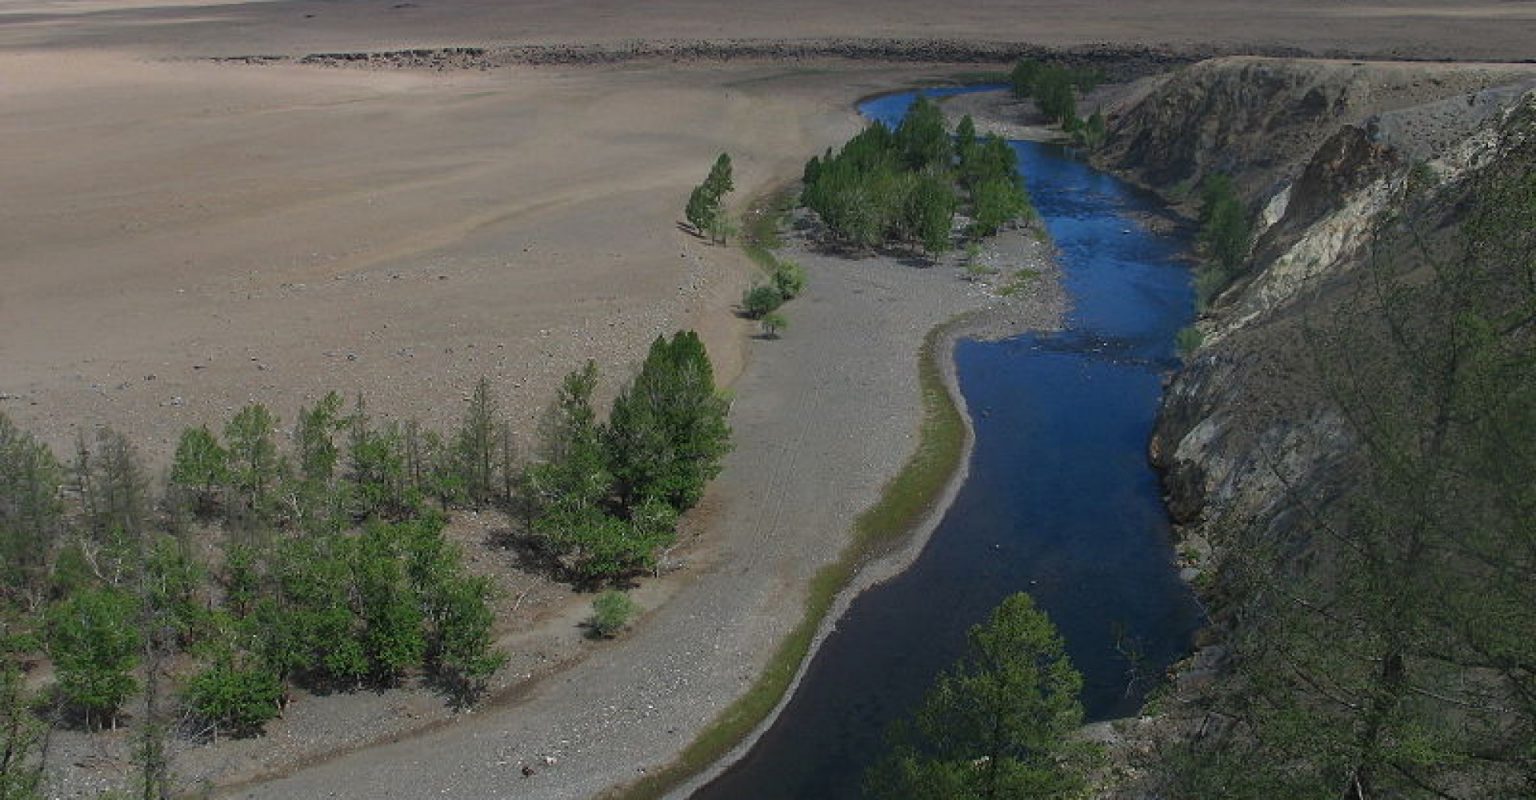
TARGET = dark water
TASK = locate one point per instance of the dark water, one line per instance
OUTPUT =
(1060, 502)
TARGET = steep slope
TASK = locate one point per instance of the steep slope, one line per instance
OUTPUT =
(1339, 452)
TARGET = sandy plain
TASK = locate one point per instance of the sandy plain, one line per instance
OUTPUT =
(181, 237)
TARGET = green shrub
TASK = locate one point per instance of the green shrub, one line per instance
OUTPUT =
(611, 612)
(1188, 340)
(235, 695)
(761, 299)
(789, 279)
(95, 648)
(773, 323)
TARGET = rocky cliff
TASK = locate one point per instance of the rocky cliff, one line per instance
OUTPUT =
(1320, 150)
(1361, 178)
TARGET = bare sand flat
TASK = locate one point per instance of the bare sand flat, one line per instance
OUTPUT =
(1481, 29)
(184, 238)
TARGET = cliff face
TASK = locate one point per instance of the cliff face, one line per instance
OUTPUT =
(1307, 358)
(1321, 151)
(1261, 120)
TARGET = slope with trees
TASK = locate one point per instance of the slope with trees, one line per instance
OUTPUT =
(317, 560)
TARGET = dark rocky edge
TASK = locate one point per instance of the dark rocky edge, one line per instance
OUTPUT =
(1118, 62)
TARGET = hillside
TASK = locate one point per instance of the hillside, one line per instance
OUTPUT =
(1342, 451)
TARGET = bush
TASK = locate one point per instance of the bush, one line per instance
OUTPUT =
(611, 612)
(1188, 340)
(761, 299)
(466, 655)
(789, 279)
(235, 695)
(95, 648)
(773, 323)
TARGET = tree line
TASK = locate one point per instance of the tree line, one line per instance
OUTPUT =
(1054, 89)
(318, 560)
(906, 186)
(705, 210)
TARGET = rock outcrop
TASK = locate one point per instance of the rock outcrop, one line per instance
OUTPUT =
(1321, 151)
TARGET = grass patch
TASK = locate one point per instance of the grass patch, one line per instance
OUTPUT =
(1021, 279)
(1188, 340)
(761, 226)
(903, 502)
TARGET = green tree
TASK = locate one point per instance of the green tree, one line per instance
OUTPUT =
(392, 635)
(376, 466)
(1023, 75)
(931, 210)
(574, 469)
(1225, 228)
(1055, 95)
(789, 278)
(200, 466)
(701, 210)
(923, 139)
(1090, 134)
(235, 693)
(94, 644)
(762, 298)
(667, 432)
(114, 499)
(31, 515)
(997, 201)
(22, 739)
(720, 181)
(476, 444)
(255, 467)
(465, 652)
(773, 323)
(704, 210)
(314, 438)
(965, 138)
(998, 725)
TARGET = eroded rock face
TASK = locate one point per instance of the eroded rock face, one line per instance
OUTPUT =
(1262, 119)
(1325, 153)
(1256, 453)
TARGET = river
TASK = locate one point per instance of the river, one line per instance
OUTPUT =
(1060, 501)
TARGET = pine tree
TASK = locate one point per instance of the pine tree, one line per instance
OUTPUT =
(31, 515)
(667, 432)
(476, 445)
(997, 725)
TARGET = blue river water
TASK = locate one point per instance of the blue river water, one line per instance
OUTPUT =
(1060, 501)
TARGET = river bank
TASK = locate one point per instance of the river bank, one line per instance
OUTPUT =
(823, 417)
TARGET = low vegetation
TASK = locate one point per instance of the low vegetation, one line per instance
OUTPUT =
(611, 612)
(1225, 238)
(256, 566)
